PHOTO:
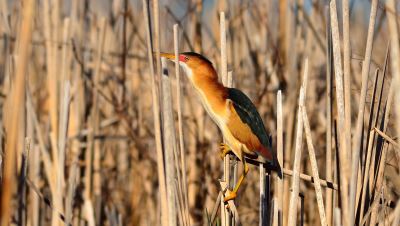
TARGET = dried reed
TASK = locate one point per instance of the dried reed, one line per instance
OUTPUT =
(343, 166)
(15, 104)
(292, 214)
(156, 110)
(360, 117)
(79, 80)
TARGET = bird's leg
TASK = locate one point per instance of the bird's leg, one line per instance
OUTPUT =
(225, 149)
(232, 194)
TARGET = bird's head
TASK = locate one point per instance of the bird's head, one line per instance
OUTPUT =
(193, 64)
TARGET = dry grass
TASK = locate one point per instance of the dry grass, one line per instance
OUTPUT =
(94, 131)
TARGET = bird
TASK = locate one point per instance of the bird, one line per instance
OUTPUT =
(234, 113)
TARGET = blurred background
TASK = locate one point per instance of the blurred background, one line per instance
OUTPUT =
(77, 117)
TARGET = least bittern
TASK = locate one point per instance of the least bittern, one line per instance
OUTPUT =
(233, 112)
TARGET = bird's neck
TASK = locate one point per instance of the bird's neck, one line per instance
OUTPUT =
(212, 92)
(207, 82)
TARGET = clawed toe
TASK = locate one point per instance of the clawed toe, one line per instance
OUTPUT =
(231, 196)
(224, 149)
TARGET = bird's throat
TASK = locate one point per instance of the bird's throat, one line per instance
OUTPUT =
(213, 96)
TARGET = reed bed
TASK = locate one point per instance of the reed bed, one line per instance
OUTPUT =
(97, 129)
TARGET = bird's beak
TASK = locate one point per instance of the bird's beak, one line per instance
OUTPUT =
(169, 56)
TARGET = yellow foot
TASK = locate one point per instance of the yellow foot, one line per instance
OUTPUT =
(225, 149)
(231, 196)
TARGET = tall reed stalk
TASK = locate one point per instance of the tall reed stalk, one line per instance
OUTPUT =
(15, 104)
(343, 164)
(360, 117)
(169, 144)
(292, 214)
(156, 116)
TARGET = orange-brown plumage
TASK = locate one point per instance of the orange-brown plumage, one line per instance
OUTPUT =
(230, 109)
(206, 81)
(243, 133)
(215, 98)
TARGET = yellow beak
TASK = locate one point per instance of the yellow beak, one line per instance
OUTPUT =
(169, 56)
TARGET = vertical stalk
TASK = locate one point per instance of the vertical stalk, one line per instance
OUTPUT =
(95, 121)
(124, 52)
(16, 105)
(329, 70)
(180, 125)
(169, 143)
(346, 73)
(357, 144)
(263, 199)
(292, 214)
(283, 8)
(51, 61)
(394, 55)
(343, 167)
(63, 126)
(337, 217)
(366, 173)
(224, 64)
(279, 145)
(224, 74)
(379, 183)
(156, 117)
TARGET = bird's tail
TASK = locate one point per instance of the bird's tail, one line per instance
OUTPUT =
(271, 161)
(277, 168)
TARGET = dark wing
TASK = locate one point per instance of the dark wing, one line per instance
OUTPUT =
(249, 115)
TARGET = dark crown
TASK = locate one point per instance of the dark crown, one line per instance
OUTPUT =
(198, 56)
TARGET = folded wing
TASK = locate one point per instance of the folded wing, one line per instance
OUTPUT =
(246, 125)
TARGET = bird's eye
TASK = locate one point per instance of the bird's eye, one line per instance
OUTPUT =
(183, 58)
